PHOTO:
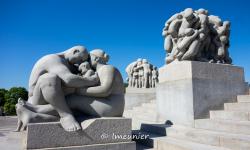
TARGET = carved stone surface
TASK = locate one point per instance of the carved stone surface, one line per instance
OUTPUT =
(142, 74)
(94, 131)
(70, 83)
(187, 90)
(137, 96)
(195, 35)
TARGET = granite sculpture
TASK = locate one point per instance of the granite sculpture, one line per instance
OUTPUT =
(196, 36)
(69, 84)
(142, 74)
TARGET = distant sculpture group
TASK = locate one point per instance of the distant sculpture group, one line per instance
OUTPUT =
(142, 74)
(197, 36)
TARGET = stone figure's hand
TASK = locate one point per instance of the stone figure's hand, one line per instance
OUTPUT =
(96, 78)
(81, 91)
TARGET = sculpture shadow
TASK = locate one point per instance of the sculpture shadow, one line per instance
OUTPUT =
(150, 131)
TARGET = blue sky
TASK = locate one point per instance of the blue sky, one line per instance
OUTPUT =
(125, 29)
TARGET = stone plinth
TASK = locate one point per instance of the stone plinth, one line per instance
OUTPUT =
(99, 133)
(137, 96)
(187, 90)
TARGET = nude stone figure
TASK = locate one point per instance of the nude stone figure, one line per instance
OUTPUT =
(197, 36)
(49, 102)
(154, 76)
(129, 71)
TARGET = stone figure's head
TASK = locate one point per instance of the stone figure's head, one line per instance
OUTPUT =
(84, 67)
(202, 11)
(76, 55)
(154, 67)
(145, 61)
(139, 61)
(227, 24)
(188, 14)
(98, 56)
(215, 21)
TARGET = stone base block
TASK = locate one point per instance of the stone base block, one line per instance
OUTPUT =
(104, 131)
(137, 96)
(187, 90)
(107, 146)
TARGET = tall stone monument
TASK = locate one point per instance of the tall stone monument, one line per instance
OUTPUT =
(75, 102)
(142, 79)
(197, 76)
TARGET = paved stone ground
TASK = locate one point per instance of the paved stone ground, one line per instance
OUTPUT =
(9, 140)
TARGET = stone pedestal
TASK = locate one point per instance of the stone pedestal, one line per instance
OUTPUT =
(137, 96)
(96, 134)
(187, 90)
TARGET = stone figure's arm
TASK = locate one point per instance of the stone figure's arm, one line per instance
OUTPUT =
(138, 67)
(70, 79)
(187, 40)
(91, 75)
(105, 88)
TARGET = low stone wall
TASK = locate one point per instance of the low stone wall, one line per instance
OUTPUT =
(137, 96)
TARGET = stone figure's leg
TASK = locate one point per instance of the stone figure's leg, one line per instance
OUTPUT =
(145, 80)
(19, 125)
(130, 83)
(52, 92)
(133, 81)
(26, 116)
(97, 107)
(221, 53)
(139, 82)
(150, 81)
(43, 109)
(168, 44)
(37, 98)
(192, 51)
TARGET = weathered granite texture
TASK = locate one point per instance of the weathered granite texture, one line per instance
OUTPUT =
(137, 96)
(94, 132)
(187, 90)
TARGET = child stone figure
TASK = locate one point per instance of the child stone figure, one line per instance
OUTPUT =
(86, 71)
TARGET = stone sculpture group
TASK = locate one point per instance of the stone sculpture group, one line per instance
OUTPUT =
(69, 84)
(142, 74)
(197, 36)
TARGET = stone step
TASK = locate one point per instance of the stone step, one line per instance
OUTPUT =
(237, 106)
(169, 143)
(149, 106)
(238, 127)
(144, 110)
(143, 116)
(230, 115)
(243, 98)
(214, 138)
